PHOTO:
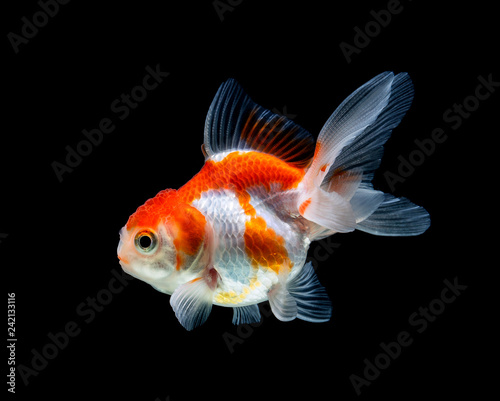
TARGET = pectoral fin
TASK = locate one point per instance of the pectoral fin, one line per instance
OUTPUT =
(282, 303)
(192, 302)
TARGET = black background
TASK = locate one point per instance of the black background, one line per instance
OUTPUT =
(62, 237)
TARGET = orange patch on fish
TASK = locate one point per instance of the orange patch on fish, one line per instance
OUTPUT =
(244, 199)
(239, 171)
(264, 247)
(303, 206)
(149, 214)
(316, 150)
(188, 225)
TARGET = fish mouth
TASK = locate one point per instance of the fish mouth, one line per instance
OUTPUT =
(122, 258)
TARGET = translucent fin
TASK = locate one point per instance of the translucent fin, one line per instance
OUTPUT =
(396, 217)
(364, 202)
(312, 300)
(350, 120)
(345, 183)
(192, 303)
(282, 303)
(328, 209)
(348, 151)
(246, 314)
(235, 122)
(366, 151)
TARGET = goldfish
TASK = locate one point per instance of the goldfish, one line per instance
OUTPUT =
(237, 233)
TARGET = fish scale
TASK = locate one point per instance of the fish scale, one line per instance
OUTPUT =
(237, 270)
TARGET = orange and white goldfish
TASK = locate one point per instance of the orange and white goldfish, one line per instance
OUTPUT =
(238, 232)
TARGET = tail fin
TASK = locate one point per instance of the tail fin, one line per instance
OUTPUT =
(338, 194)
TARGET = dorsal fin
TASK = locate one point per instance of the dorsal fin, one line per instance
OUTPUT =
(235, 122)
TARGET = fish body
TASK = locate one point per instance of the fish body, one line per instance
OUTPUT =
(238, 232)
(248, 199)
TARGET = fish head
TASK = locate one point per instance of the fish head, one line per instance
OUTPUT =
(163, 242)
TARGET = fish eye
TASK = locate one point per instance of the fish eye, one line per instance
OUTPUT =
(146, 241)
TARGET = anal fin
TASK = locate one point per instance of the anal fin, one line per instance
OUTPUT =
(313, 304)
(246, 314)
